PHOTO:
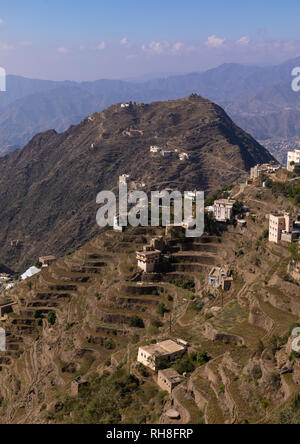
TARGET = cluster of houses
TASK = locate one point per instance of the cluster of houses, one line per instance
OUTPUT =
(282, 227)
(154, 149)
(6, 281)
(258, 171)
(293, 160)
(44, 261)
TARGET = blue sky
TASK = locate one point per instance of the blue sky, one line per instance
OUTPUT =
(85, 40)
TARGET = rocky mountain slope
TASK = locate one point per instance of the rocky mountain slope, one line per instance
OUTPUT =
(87, 315)
(48, 190)
(259, 99)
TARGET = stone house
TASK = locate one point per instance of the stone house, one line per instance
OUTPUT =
(77, 385)
(169, 379)
(46, 261)
(168, 350)
(148, 258)
(220, 277)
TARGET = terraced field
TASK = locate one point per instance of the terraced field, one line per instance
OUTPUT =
(89, 312)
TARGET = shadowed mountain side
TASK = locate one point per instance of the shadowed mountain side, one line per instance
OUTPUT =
(48, 190)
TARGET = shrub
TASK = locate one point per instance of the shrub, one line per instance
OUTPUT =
(257, 372)
(109, 344)
(51, 318)
(136, 322)
(162, 309)
(197, 306)
(266, 234)
(156, 323)
(186, 284)
(142, 370)
(135, 339)
(185, 365)
(202, 357)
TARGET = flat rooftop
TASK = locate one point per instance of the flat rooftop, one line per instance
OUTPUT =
(225, 202)
(215, 272)
(48, 258)
(164, 348)
(148, 253)
(171, 374)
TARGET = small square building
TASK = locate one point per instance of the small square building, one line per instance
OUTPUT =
(169, 379)
(148, 258)
(46, 261)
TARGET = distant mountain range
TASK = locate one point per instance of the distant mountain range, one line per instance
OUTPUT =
(259, 99)
(48, 189)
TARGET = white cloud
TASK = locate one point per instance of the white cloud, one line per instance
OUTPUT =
(5, 46)
(101, 46)
(26, 43)
(63, 50)
(81, 47)
(177, 47)
(156, 47)
(244, 41)
(214, 41)
(125, 42)
(2, 22)
(131, 56)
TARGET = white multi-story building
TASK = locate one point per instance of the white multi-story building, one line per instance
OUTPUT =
(293, 160)
(223, 209)
(279, 223)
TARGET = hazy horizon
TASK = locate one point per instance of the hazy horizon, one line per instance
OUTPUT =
(122, 40)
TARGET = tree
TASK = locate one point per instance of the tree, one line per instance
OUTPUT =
(238, 207)
(51, 318)
(184, 365)
(202, 357)
(162, 309)
(266, 234)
